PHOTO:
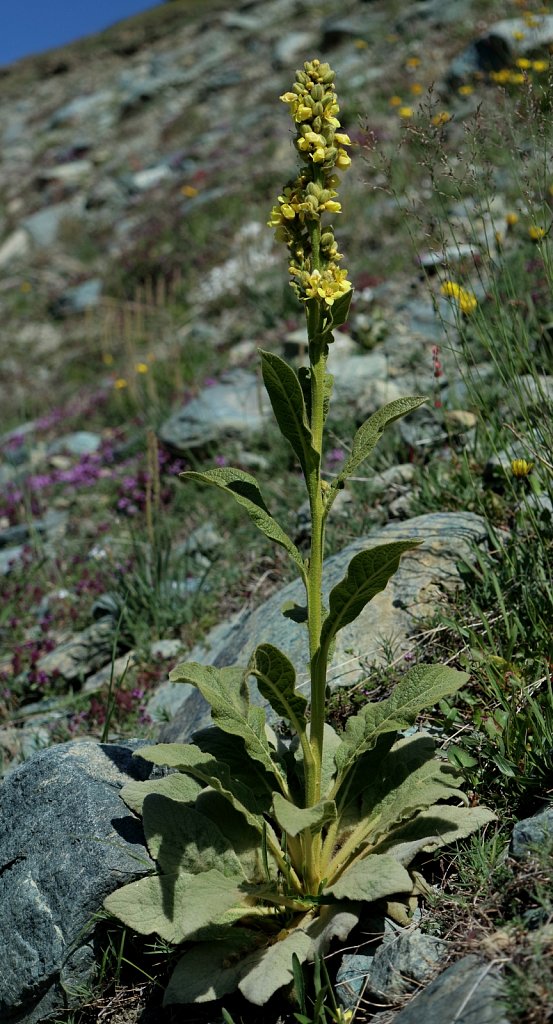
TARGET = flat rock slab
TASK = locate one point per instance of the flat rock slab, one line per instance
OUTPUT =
(67, 841)
(237, 405)
(468, 992)
(425, 575)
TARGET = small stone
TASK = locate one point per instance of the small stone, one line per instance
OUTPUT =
(461, 418)
(533, 834)
(15, 247)
(163, 650)
(149, 178)
(79, 298)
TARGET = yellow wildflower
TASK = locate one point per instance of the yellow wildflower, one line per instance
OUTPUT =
(501, 77)
(107, 358)
(519, 35)
(540, 65)
(523, 62)
(516, 78)
(360, 44)
(466, 301)
(141, 367)
(395, 101)
(416, 88)
(536, 233)
(120, 383)
(412, 62)
(405, 112)
(511, 218)
(25, 287)
(442, 117)
(465, 90)
(521, 468)
(189, 191)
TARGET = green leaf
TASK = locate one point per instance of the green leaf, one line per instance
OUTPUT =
(276, 681)
(436, 826)
(176, 787)
(368, 436)
(271, 968)
(286, 396)
(176, 907)
(421, 687)
(340, 309)
(295, 819)
(226, 692)
(210, 970)
(245, 490)
(296, 612)
(179, 838)
(243, 769)
(334, 921)
(372, 878)
(245, 840)
(188, 758)
(367, 574)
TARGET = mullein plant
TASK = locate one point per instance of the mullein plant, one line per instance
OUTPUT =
(267, 849)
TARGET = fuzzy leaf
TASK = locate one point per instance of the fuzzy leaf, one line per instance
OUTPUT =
(367, 574)
(210, 970)
(245, 490)
(372, 878)
(226, 692)
(296, 612)
(188, 758)
(271, 968)
(340, 309)
(334, 921)
(243, 769)
(295, 819)
(331, 742)
(176, 787)
(179, 838)
(176, 907)
(368, 436)
(421, 687)
(245, 840)
(276, 681)
(286, 396)
(436, 826)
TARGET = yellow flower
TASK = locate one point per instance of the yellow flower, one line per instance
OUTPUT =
(189, 191)
(466, 301)
(465, 90)
(120, 383)
(416, 88)
(442, 117)
(405, 112)
(25, 287)
(519, 35)
(501, 77)
(536, 233)
(343, 160)
(523, 62)
(141, 367)
(521, 468)
(540, 65)
(360, 44)
(412, 62)
(107, 358)
(511, 219)
(516, 78)
(395, 101)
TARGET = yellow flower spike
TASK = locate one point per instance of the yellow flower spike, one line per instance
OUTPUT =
(141, 367)
(536, 233)
(120, 383)
(521, 468)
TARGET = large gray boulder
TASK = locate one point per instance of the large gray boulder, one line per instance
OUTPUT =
(468, 992)
(425, 576)
(67, 841)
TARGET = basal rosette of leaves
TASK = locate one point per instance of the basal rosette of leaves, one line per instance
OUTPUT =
(266, 848)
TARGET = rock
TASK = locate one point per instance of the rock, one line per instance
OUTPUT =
(42, 338)
(79, 298)
(15, 247)
(355, 375)
(83, 108)
(403, 961)
(237, 405)
(51, 525)
(73, 171)
(468, 992)
(82, 442)
(291, 47)
(83, 654)
(150, 177)
(9, 557)
(533, 835)
(500, 44)
(67, 841)
(43, 226)
(392, 616)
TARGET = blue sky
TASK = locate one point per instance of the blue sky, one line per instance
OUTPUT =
(34, 25)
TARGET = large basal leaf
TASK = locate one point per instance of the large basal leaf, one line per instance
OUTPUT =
(176, 907)
(276, 681)
(367, 574)
(334, 921)
(245, 840)
(188, 758)
(295, 819)
(245, 490)
(421, 687)
(180, 838)
(176, 787)
(368, 436)
(271, 968)
(372, 878)
(226, 692)
(210, 970)
(286, 396)
(437, 826)
(243, 769)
